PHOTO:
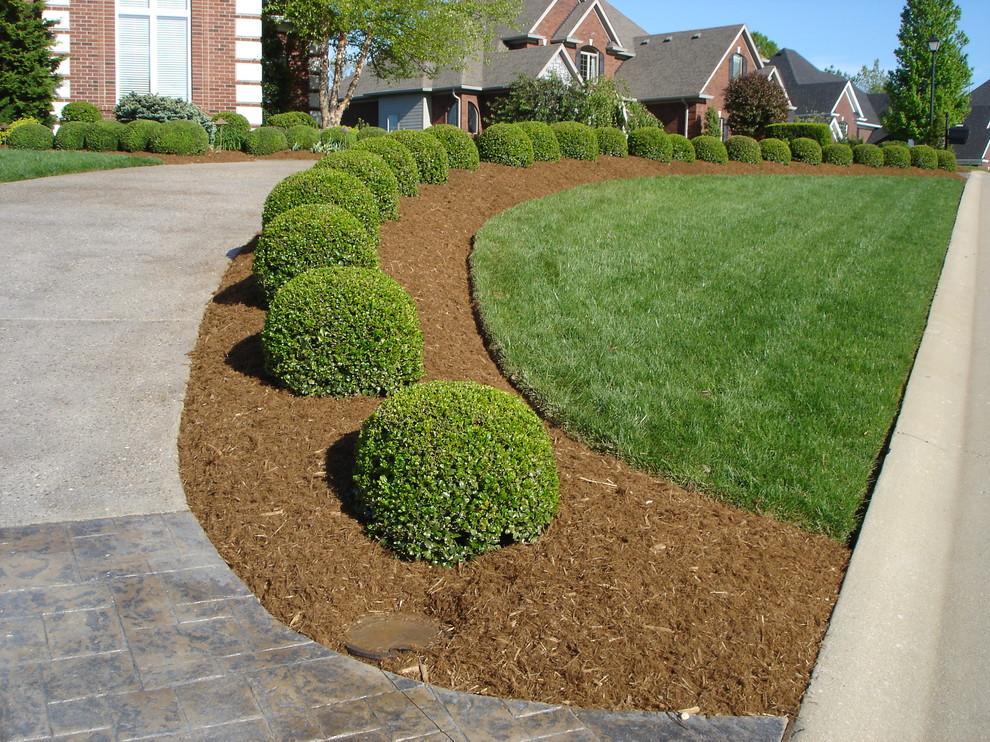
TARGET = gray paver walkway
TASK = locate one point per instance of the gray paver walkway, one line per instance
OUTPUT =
(118, 619)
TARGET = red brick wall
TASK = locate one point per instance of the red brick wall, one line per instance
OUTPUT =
(92, 53)
(672, 116)
(716, 86)
(212, 54)
(557, 15)
(592, 33)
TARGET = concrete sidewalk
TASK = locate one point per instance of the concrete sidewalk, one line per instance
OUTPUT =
(907, 654)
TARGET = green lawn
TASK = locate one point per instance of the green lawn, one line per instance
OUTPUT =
(749, 336)
(22, 164)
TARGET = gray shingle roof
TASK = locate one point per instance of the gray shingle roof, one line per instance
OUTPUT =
(980, 95)
(796, 70)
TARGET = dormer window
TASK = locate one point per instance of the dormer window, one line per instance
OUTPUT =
(588, 63)
(737, 66)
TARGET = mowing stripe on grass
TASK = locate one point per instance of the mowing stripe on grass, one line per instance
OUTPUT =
(749, 336)
(23, 164)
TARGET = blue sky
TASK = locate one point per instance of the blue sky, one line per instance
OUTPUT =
(844, 33)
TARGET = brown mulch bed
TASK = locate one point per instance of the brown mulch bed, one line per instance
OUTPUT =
(641, 595)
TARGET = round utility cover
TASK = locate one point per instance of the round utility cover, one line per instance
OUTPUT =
(381, 635)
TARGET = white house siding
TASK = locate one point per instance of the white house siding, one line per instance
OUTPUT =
(247, 52)
(404, 112)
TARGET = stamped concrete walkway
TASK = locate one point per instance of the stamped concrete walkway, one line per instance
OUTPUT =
(118, 619)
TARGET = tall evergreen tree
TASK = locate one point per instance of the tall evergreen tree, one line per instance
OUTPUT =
(909, 85)
(27, 65)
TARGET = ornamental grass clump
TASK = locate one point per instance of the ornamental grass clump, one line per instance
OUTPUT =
(806, 150)
(505, 144)
(72, 135)
(265, 140)
(611, 141)
(31, 136)
(897, 155)
(323, 185)
(430, 156)
(546, 147)
(447, 470)
(180, 137)
(577, 140)
(946, 160)
(398, 157)
(837, 154)
(231, 135)
(301, 136)
(924, 157)
(775, 150)
(136, 135)
(710, 149)
(652, 143)
(104, 136)
(371, 170)
(681, 148)
(343, 331)
(741, 148)
(868, 154)
(462, 153)
(308, 237)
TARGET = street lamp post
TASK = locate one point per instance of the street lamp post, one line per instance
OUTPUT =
(933, 43)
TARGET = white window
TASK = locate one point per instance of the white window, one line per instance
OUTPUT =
(737, 66)
(588, 64)
(153, 47)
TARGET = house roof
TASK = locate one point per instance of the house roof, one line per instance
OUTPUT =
(980, 95)
(978, 121)
(676, 65)
(811, 90)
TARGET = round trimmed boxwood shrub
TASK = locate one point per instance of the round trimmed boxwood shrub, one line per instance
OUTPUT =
(80, 110)
(505, 144)
(265, 140)
(546, 147)
(868, 154)
(681, 148)
(343, 331)
(577, 140)
(447, 470)
(292, 118)
(430, 156)
(71, 135)
(337, 138)
(806, 150)
(924, 157)
(180, 137)
(323, 185)
(301, 136)
(462, 152)
(14, 124)
(371, 170)
(370, 131)
(710, 149)
(775, 150)
(31, 136)
(231, 135)
(136, 135)
(946, 160)
(895, 155)
(308, 237)
(893, 143)
(612, 141)
(399, 158)
(104, 136)
(743, 149)
(652, 143)
(234, 120)
(837, 154)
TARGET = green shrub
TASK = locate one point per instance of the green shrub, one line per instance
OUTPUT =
(924, 157)
(652, 143)
(775, 150)
(14, 124)
(546, 148)
(611, 141)
(136, 136)
(343, 331)
(337, 138)
(323, 185)
(71, 135)
(806, 150)
(895, 155)
(371, 170)
(505, 144)
(430, 156)
(577, 140)
(308, 237)
(290, 119)
(462, 153)
(837, 154)
(180, 137)
(821, 133)
(231, 135)
(265, 140)
(710, 149)
(946, 160)
(743, 149)
(161, 108)
(80, 110)
(370, 131)
(234, 121)
(301, 136)
(868, 154)
(31, 136)
(892, 143)
(104, 136)
(447, 470)
(398, 157)
(681, 148)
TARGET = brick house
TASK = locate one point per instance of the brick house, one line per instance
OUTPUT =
(204, 51)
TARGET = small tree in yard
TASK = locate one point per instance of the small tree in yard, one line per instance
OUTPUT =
(548, 99)
(27, 66)
(753, 102)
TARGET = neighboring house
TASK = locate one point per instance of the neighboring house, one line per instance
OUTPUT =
(204, 51)
(819, 95)
(976, 151)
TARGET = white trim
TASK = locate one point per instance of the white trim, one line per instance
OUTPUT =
(247, 71)
(717, 67)
(61, 18)
(567, 61)
(64, 65)
(602, 16)
(543, 17)
(248, 7)
(247, 51)
(252, 113)
(247, 93)
(164, 56)
(64, 89)
(247, 28)
(63, 44)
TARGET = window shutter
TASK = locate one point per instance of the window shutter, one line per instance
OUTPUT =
(134, 54)
(173, 57)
